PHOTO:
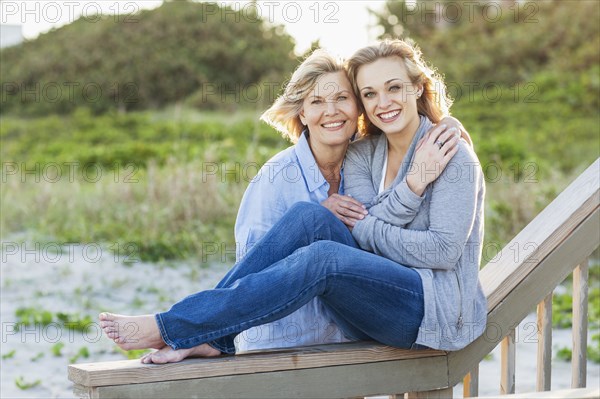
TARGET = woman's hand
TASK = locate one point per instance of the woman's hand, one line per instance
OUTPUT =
(451, 122)
(432, 154)
(345, 208)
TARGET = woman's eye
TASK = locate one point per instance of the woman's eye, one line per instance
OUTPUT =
(316, 102)
(369, 94)
(395, 88)
(342, 98)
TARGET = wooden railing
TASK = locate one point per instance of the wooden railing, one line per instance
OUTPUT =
(555, 244)
(544, 343)
(570, 244)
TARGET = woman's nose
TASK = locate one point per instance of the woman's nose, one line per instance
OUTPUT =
(384, 101)
(331, 108)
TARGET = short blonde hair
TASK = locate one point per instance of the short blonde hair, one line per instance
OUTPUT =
(284, 114)
(433, 103)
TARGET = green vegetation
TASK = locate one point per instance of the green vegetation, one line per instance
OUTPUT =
(30, 316)
(57, 349)
(182, 51)
(562, 304)
(564, 354)
(9, 355)
(83, 352)
(132, 354)
(167, 187)
(593, 351)
(126, 143)
(24, 385)
(562, 313)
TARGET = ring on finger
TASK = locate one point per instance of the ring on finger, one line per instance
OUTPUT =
(439, 144)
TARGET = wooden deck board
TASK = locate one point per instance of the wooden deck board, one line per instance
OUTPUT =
(327, 382)
(134, 372)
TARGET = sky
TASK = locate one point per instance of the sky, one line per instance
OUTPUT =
(341, 26)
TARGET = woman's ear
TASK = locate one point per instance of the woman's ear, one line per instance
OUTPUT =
(419, 91)
(301, 116)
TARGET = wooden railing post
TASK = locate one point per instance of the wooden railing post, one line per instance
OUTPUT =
(471, 383)
(580, 324)
(544, 349)
(507, 367)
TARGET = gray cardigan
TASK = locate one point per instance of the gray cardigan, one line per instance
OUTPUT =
(440, 234)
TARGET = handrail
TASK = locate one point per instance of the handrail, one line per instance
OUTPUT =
(571, 235)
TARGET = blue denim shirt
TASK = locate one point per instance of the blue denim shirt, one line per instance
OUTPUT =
(290, 176)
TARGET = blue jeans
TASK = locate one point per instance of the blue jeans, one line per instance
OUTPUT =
(308, 253)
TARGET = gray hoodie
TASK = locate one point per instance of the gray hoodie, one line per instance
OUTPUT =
(440, 234)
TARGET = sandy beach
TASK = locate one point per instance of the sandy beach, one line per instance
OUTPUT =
(81, 281)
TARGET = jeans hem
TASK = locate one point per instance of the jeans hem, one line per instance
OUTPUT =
(163, 332)
(220, 348)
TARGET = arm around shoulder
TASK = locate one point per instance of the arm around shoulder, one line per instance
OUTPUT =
(453, 208)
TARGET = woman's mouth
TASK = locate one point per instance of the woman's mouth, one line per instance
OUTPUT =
(389, 116)
(333, 125)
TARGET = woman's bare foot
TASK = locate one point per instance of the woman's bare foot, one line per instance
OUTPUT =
(170, 355)
(132, 332)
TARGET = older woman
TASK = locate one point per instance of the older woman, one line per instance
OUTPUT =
(309, 253)
(318, 112)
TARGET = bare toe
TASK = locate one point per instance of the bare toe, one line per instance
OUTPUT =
(131, 332)
(146, 359)
(168, 355)
(105, 316)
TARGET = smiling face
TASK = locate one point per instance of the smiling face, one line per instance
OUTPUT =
(388, 96)
(330, 110)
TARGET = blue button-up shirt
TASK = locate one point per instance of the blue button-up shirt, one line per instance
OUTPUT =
(290, 176)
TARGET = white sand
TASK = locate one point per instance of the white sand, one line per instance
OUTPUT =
(60, 283)
(86, 283)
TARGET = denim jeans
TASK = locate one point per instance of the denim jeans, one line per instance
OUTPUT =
(308, 253)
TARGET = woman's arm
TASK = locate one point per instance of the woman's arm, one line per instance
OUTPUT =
(401, 205)
(452, 212)
(358, 183)
(429, 161)
(451, 121)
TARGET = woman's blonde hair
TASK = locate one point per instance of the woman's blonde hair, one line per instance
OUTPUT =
(284, 114)
(433, 103)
